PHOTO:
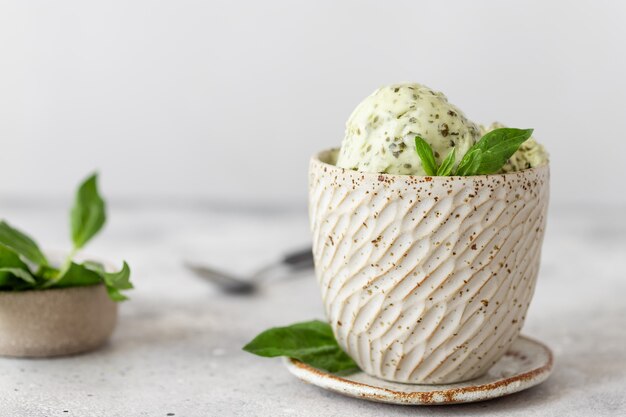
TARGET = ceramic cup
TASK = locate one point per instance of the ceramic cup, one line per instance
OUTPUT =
(55, 322)
(426, 279)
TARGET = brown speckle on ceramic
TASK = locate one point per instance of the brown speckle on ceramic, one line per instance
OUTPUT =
(526, 364)
(55, 322)
(431, 277)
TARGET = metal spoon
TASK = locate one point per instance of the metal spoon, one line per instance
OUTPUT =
(236, 284)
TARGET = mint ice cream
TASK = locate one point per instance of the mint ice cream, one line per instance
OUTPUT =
(380, 133)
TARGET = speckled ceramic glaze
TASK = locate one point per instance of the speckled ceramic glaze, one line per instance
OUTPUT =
(426, 279)
(56, 321)
(526, 364)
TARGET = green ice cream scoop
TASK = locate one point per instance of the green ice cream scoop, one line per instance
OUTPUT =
(380, 133)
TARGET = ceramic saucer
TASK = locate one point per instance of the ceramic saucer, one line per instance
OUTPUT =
(526, 364)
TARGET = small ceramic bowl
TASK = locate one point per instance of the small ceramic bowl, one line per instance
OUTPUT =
(55, 322)
(426, 279)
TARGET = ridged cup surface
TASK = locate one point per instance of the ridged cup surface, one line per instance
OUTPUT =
(426, 279)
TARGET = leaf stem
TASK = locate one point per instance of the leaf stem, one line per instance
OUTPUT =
(65, 266)
(68, 261)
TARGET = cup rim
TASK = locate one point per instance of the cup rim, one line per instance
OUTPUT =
(317, 158)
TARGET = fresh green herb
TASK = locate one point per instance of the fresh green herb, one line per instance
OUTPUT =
(491, 152)
(24, 267)
(117, 282)
(427, 156)
(21, 244)
(19, 273)
(447, 165)
(10, 259)
(310, 342)
(88, 214)
(487, 156)
(76, 275)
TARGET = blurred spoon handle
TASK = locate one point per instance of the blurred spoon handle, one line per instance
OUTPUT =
(300, 259)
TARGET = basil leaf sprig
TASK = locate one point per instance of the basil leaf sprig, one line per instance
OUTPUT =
(23, 266)
(88, 214)
(426, 154)
(21, 244)
(311, 342)
(447, 166)
(487, 156)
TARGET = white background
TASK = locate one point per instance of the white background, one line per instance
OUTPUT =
(187, 101)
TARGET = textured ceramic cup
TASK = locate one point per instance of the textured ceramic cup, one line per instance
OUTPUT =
(426, 279)
(55, 322)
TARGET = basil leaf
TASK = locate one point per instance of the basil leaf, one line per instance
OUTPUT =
(14, 273)
(492, 151)
(425, 152)
(22, 274)
(117, 282)
(88, 214)
(92, 273)
(94, 266)
(10, 259)
(447, 165)
(310, 342)
(21, 244)
(469, 163)
(75, 275)
(18, 251)
(47, 273)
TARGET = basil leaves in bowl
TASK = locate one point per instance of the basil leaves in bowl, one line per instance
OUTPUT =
(50, 306)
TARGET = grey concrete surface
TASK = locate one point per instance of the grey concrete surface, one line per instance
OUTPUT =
(177, 348)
